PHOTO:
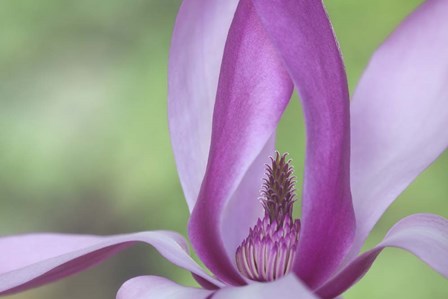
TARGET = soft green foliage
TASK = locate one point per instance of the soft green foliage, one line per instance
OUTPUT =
(84, 140)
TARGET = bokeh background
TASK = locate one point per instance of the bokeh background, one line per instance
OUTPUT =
(84, 144)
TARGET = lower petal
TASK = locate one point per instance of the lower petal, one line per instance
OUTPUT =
(147, 287)
(424, 235)
(28, 261)
(288, 287)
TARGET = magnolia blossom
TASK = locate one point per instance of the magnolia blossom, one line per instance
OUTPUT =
(233, 67)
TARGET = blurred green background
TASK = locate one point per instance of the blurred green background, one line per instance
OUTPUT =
(84, 145)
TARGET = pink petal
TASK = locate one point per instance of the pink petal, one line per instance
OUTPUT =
(204, 29)
(195, 59)
(288, 287)
(147, 287)
(253, 92)
(243, 208)
(303, 36)
(424, 235)
(399, 114)
(28, 261)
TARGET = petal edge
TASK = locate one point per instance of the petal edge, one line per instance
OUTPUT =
(424, 235)
(28, 261)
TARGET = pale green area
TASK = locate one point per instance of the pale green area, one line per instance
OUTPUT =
(84, 144)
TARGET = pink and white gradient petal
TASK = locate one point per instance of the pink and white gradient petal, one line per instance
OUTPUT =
(399, 114)
(195, 58)
(28, 261)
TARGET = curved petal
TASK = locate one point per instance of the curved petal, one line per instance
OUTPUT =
(399, 114)
(303, 36)
(195, 58)
(28, 261)
(424, 235)
(205, 284)
(244, 208)
(288, 287)
(154, 287)
(253, 92)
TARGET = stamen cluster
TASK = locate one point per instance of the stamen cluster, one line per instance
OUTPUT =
(270, 249)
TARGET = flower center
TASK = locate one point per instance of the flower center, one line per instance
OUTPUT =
(269, 251)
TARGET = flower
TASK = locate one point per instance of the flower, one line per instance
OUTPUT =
(394, 128)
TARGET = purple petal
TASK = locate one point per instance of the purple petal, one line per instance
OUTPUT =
(253, 92)
(399, 114)
(288, 287)
(147, 287)
(303, 36)
(28, 261)
(424, 235)
(195, 59)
